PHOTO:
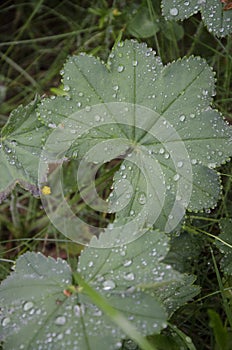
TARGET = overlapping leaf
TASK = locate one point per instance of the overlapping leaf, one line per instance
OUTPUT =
(21, 142)
(161, 116)
(226, 247)
(217, 19)
(42, 308)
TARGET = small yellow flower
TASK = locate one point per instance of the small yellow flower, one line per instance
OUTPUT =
(116, 12)
(46, 190)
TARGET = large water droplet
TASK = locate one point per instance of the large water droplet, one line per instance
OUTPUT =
(174, 11)
(180, 164)
(60, 320)
(97, 118)
(108, 285)
(66, 88)
(127, 263)
(79, 310)
(120, 68)
(142, 198)
(28, 305)
(130, 345)
(5, 321)
(129, 276)
(176, 177)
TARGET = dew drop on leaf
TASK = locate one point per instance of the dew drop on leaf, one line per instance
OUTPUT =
(28, 305)
(129, 276)
(66, 88)
(176, 177)
(130, 345)
(79, 310)
(108, 285)
(120, 68)
(5, 321)
(174, 11)
(60, 320)
(142, 198)
(127, 263)
(97, 118)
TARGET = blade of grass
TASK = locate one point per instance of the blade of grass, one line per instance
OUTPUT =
(226, 305)
(115, 315)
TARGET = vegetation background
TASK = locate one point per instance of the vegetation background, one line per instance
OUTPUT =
(36, 36)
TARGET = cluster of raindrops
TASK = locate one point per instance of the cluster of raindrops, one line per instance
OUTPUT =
(218, 21)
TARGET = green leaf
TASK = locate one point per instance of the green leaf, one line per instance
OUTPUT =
(225, 245)
(157, 118)
(172, 30)
(21, 142)
(42, 304)
(220, 332)
(141, 25)
(184, 253)
(217, 20)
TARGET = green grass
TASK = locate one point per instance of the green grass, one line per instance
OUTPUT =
(35, 38)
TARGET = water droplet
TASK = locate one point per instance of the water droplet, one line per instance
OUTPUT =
(28, 305)
(59, 336)
(108, 285)
(180, 164)
(120, 68)
(174, 11)
(182, 118)
(97, 118)
(176, 177)
(188, 340)
(66, 88)
(60, 320)
(5, 321)
(129, 276)
(134, 63)
(79, 310)
(90, 264)
(52, 125)
(130, 345)
(127, 263)
(142, 198)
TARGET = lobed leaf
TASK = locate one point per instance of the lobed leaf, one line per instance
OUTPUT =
(21, 143)
(217, 20)
(42, 307)
(226, 247)
(157, 118)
